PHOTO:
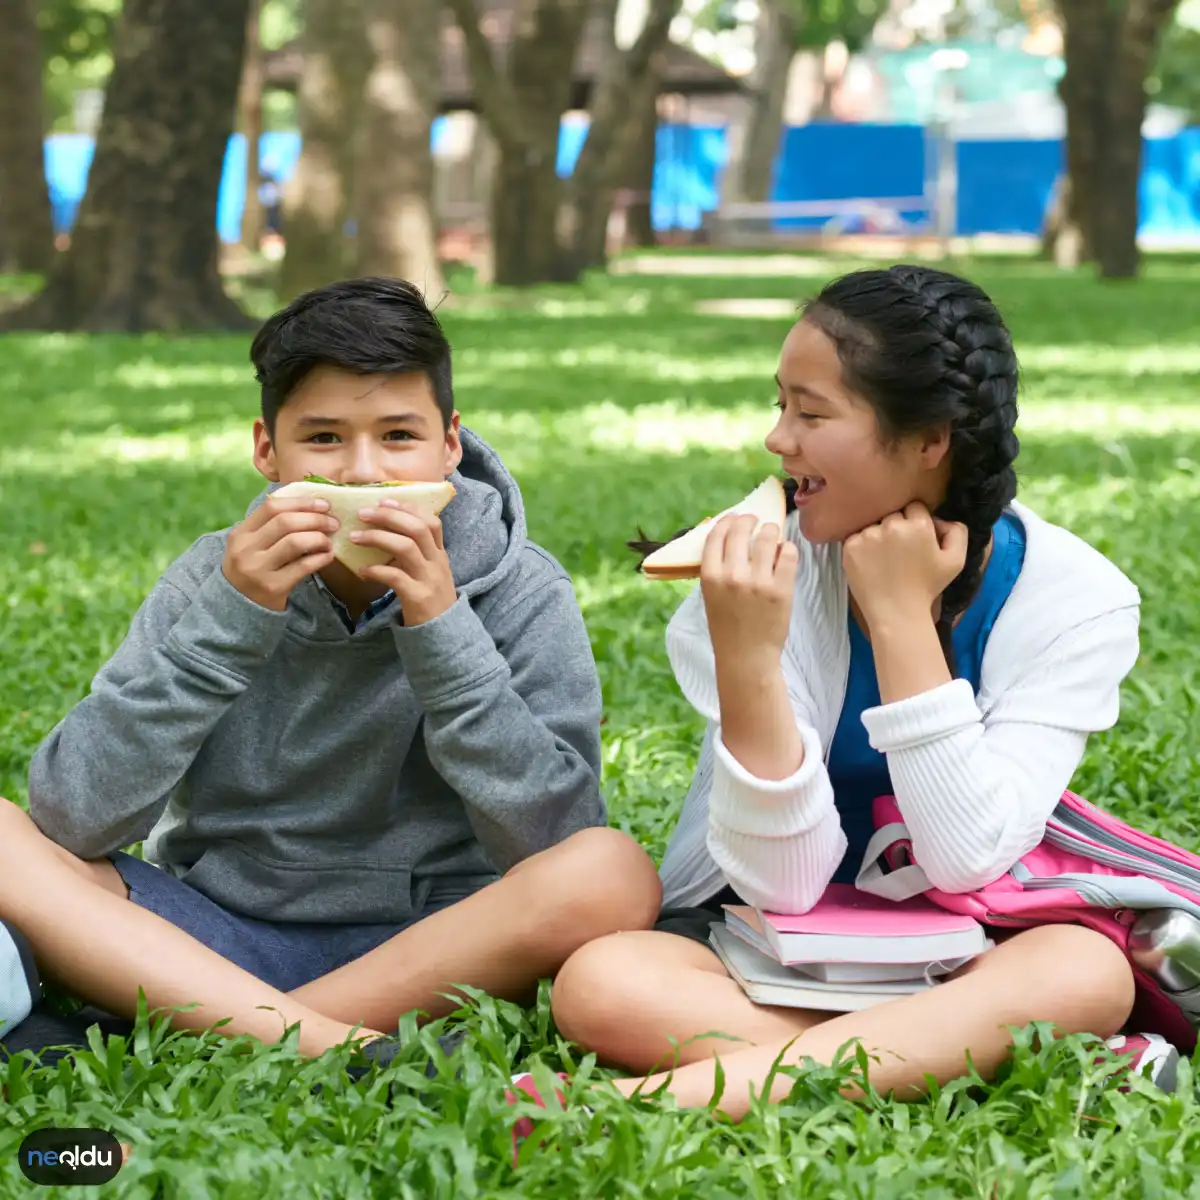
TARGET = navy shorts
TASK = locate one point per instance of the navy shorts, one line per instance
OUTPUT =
(693, 922)
(284, 954)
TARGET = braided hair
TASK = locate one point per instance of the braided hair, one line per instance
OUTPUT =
(927, 349)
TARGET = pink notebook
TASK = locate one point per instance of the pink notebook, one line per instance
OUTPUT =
(847, 925)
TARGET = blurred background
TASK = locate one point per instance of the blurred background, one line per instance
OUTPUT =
(155, 155)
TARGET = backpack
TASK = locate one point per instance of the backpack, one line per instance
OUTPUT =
(1089, 869)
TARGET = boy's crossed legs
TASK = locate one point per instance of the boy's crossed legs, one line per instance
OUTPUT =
(88, 936)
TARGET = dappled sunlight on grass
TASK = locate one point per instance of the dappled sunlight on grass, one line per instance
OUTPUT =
(618, 408)
(1097, 357)
(665, 428)
(484, 368)
(207, 448)
(1047, 419)
(148, 374)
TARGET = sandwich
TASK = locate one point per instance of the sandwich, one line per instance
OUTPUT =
(680, 558)
(345, 501)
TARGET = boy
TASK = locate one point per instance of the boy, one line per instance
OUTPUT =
(356, 790)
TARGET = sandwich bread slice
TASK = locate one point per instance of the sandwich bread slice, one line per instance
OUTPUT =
(345, 501)
(680, 559)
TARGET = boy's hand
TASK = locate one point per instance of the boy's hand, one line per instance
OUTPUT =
(419, 570)
(277, 545)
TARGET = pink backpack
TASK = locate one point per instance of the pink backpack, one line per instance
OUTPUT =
(1090, 869)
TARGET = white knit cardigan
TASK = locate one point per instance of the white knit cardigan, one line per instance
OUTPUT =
(975, 776)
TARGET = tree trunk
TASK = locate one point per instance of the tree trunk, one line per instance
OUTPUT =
(527, 188)
(1108, 53)
(776, 47)
(318, 200)
(394, 195)
(252, 126)
(639, 177)
(26, 230)
(1116, 220)
(524, 209)
(523, 107)
(627, 82)
(1090, 29)
(1062, 233)
(144, 254)
(590, 246)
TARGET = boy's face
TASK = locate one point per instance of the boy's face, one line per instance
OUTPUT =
(357, 429)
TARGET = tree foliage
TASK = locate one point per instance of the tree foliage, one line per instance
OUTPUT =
(817, 23)
(77, 38)
(1176, 77)
(820, 22)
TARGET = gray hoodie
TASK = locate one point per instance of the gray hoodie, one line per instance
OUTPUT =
(295, 771)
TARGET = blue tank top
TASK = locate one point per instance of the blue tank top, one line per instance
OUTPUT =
(859, 773)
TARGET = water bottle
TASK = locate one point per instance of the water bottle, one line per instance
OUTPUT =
(1166, 943)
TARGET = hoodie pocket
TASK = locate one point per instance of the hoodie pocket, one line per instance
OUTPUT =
(325, 892)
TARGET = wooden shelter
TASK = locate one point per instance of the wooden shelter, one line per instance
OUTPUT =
(686, 72)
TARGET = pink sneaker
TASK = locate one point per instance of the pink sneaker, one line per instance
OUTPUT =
(524, 1125)
(1150, 1056)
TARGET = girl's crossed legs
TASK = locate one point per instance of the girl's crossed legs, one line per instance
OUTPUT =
(626, 996)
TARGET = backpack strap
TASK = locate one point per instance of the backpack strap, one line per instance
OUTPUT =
(902, 883)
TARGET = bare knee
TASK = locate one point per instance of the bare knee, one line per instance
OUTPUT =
(605, 883)
(1083, 979)
(593, 999)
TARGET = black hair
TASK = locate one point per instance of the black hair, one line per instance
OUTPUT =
(928, 349)
(372, 326)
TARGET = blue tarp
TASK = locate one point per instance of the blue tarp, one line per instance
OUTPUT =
(1170, 197)
(849, 162)
(1002, 186)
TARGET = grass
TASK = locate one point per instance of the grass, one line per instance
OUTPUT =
(616, 404)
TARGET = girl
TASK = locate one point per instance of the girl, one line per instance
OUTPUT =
(918, 634)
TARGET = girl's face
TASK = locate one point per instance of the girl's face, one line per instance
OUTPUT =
(828, 440)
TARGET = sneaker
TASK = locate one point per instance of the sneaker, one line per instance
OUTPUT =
(1150, 1056)
(20, 988)
(523, 1127)
(381, 1052)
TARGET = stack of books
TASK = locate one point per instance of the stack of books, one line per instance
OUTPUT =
(849, 952)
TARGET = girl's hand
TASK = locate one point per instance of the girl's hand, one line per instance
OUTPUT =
(897, 570)
(747, 581)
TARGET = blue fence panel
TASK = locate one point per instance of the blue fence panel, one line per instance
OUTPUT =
(277, 156)
(67, 156)
(848, 162)
(1004, 187)
(687, 169)
(688, 163)
(1170, 190)
(571, 136)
